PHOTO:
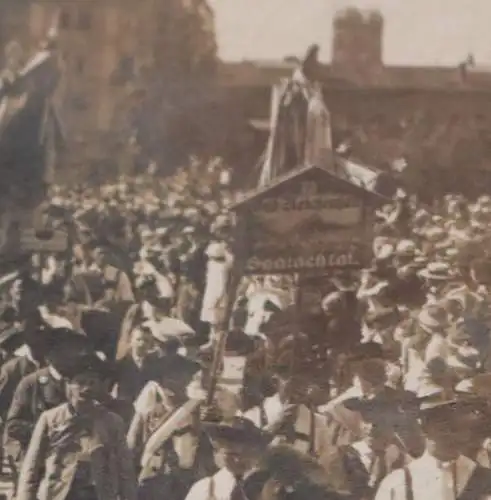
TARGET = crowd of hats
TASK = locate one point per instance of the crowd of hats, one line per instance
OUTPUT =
(441, 257)
(182, 213)
(155, 220)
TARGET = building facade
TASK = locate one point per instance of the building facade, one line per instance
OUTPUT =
(438, 118)
(106, 46)
(96, 39)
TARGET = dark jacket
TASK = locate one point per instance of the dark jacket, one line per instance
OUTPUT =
(53, 455)
(36, 393)
(11, 373)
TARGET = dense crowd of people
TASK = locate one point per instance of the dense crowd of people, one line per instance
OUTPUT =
(108, 378)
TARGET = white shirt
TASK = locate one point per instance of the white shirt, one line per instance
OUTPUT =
(273, 409)
(217, 273)
(217, 487)
(415, 363)
(367, 455)
(55, 373)
(430, 480)
(349, 419)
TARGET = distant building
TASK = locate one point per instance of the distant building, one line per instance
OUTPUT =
(357, 45)
(106, 46)
(372, 105)
(99, 41)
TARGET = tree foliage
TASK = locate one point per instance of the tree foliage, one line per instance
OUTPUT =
(447, 154)
(178, 84)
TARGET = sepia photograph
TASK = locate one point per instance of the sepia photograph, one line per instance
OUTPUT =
(245, 250)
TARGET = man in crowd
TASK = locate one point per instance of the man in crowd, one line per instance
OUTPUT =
(138, 367)
(42, 390)
(442, 472)
(239, 444)
(15, 369)
(78, 449)
(358, 468)
(425, 326)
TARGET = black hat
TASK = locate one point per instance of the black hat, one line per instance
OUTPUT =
(240, 343)
(383, 412)
(366, 351)
(58, 337)
(238, 431)
(54, 290)
(270, 306)
(90, 363)
(437, 402)
(290, 467)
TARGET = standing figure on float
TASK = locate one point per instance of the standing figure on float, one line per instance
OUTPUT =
(300, 125)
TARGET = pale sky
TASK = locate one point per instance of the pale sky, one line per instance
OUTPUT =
(417, 32)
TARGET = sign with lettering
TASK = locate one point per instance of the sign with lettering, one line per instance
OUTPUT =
(351, 256)
(49, 241)
(308, 221)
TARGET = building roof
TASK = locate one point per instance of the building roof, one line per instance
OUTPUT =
(268, 73)
(359, 177)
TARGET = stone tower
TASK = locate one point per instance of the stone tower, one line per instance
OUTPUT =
(357, 51)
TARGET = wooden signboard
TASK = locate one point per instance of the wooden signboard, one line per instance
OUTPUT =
(46, 241)
(307, 221)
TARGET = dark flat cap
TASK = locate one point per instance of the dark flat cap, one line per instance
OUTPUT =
(90, 363)
(366, 351)
(238, 431)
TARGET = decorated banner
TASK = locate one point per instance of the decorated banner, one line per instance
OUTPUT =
(309, 220)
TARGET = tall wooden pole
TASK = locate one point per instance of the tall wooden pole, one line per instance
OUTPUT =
(220, 344)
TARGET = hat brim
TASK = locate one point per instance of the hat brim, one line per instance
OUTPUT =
(478, 387)
(430, 408)
(62, 337)
(376, 289)
(226, 434)
(435, 277)
(365, 352)
(91, 364)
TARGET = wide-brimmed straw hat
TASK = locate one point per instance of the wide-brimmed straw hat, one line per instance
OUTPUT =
(384, 252)
(478, 386)
(406, 248)
(436, 399)
(438, 271)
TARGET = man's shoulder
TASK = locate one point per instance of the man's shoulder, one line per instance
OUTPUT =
(40, 376)
(17, 364)
(11, 366)
(124, 362)
(61, 413)
(395, 480)
(482, 477)
(338, 401)
(200, 488)
(54, 415)
(185, 363)
(109, 418)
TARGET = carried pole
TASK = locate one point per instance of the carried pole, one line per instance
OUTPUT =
(220, 344)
